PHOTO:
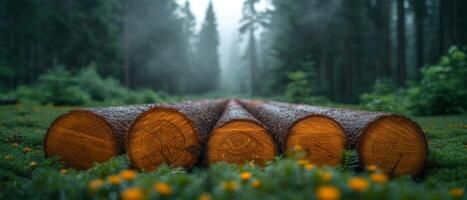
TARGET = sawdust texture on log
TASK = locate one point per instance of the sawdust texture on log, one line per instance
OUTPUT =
(84, 136)
(239, 137)
(394, 143)
(321, 137)
(172, 134)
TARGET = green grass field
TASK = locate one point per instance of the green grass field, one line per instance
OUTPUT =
(25, 174)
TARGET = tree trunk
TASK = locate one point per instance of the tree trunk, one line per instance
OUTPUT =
(394, 143)
(253, 61)
(238, 137)
(401, 44)
(387, 64)
(84, 136)
(420, 10)
(126, 45)
(320, 136)
(172, 133)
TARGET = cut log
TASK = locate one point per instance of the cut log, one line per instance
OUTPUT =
(394, 143)
(172, 134)
(84, 136)
(319, 135)
(239, 137)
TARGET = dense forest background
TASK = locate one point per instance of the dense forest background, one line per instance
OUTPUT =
(335, 49)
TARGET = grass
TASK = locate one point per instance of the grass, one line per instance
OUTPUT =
(25, 173)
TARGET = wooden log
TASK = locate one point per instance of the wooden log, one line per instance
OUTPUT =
(84, 136)
(172, 133)
(394, 143)
(239, 137)
(319, 135)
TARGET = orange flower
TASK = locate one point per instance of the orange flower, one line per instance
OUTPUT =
(256, 184)
(132, 194)
(309, 167)
(325, 176)
(27, 150)
(128, 174)
(456, 192)
(245, 176)
(63, 171)
(8, 157)
(358, 184)
(33, 164)
(328, 193)
(163, 188)
(94, 185)
(230, 186)
(114, 179)
(379, 177)
(371, 168)
(204, 196)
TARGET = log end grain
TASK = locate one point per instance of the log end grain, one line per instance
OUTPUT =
(80, 138)
(320, 137)
(395, 144)
(240, 142)
(163, 135)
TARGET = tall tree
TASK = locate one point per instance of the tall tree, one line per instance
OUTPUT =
(207, 70)
(420, 14)
(401, 43)
(251, 21)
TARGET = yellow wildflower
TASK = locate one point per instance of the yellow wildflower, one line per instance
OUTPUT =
(230, 186)
(163, 188)
(325, 175)
(328, 193)
(245, 176)
(379, 177)
(63, 171)
(8, 157)
(132, 194)
(309, 167)
(15, 145)
(114, 179)
(303, 162)
(33, 164)
(456, 192)
(27, 150)
(204, 196)
(95, 184)
(128, 174)
(371, 168)
(256, 184)
(358, 184)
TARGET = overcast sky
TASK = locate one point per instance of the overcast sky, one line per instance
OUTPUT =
(228, 13)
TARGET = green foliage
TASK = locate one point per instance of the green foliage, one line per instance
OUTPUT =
(299, 90)
(384, 97)
(283, 178)
(59, 86)
(442, 89)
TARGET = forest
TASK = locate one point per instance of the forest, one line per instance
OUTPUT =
(336, 49)
(233, 99)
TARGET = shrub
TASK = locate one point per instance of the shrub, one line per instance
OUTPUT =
(58, 86)
(299, 88)
(99, 88)
(442, 89)
(384, 97)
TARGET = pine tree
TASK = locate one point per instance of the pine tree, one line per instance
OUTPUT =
(207, 72)
(252, 20)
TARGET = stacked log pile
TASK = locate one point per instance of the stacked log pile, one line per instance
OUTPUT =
(195, 133)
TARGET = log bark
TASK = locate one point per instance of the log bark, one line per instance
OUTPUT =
(394, 143)
(238, 137)
(172, 133)
(318, 135)
(84, 136)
